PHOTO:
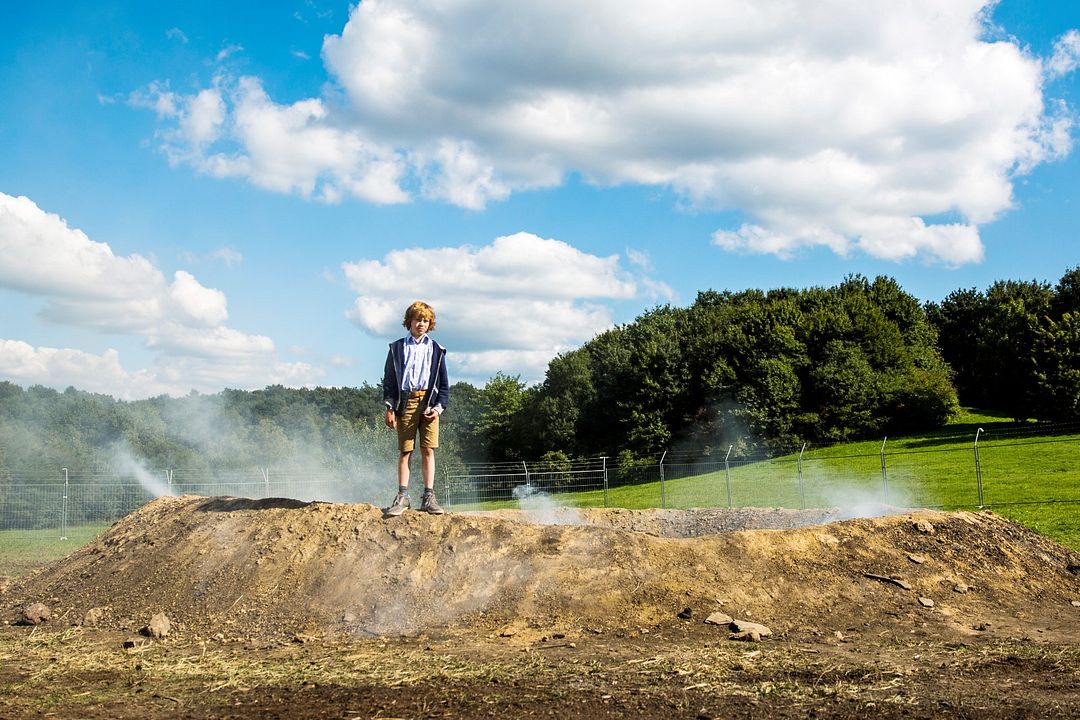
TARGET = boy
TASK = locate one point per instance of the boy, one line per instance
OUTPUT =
(416, 391)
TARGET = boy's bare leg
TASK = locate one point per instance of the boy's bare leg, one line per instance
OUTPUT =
(427, 458)
(403, 469)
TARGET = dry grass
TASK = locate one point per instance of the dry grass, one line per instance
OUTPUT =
(76, 668)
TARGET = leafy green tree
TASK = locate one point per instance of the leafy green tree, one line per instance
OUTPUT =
(988, 340)
(1057, 352)
(918, 399)
(501, 399)
(961, 320)
(769, 396)
(552, 472)
(846, 393)
(1067, 294)
(1017, 310)
(602, 422)
(766, 370)
(566, 393)
(1057, 359)
(458, 425)
(653, 399)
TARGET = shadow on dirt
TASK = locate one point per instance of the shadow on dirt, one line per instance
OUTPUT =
(228, 504)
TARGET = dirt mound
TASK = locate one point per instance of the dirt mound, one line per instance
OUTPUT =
(273, 569)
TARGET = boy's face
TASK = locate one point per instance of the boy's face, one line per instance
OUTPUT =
(419, 327)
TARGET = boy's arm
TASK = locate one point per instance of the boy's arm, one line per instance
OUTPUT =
(388, 380)
(443, 384)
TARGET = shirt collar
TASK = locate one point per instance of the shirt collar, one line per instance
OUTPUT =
(409, 339)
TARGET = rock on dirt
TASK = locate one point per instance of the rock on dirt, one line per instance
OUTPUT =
(925, 527)
(719, 618)
(5, 581)
(891, 580)
(158, 627)
(35, 614)
(93, 617)
(746, 636)
(745, 626)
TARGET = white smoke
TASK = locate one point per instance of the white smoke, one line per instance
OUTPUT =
(858, 502)
(126, 464)
(868, 497)
(297, 467)
(541, 508)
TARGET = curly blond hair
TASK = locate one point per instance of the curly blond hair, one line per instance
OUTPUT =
(419, 309)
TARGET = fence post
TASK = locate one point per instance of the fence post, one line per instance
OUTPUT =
(978, 468)
(527, 483)
(884, 471)
(168, 481)
(446, 485)
(64, 508)
(663, 498)
(727, 475)
(604, 458)
(266, 480)
(802, 490)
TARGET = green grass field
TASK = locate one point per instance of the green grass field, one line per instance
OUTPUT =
(1032, 479)
(23, 550)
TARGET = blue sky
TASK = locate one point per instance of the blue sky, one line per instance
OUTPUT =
(204, 195)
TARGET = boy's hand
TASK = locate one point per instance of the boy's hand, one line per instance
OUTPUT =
(431, 413)
(391, 419)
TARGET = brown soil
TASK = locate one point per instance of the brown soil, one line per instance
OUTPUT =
(288, 609)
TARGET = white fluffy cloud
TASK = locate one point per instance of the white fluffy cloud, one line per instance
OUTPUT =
(83, 283)
(238, 131)
(511, 305)
(42, 255)
(850, 124)
(1066, 55)
(25, 364)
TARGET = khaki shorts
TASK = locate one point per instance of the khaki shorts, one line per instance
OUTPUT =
(412, 421)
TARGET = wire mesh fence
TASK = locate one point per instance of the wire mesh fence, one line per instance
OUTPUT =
(1001, 471)
(496, 485)
(36, 500)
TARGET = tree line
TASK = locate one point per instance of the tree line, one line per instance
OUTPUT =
(1015, 348)
(762, 370)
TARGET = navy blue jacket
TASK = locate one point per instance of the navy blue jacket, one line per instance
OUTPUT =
(438, 382)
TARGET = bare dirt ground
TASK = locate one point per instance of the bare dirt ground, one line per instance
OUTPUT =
(282, 609)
